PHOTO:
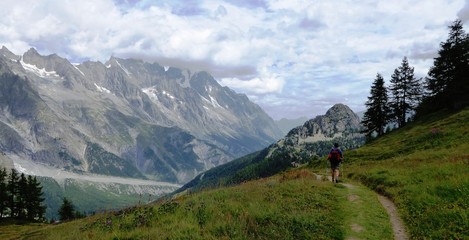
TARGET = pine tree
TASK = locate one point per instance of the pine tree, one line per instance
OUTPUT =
(406, 92)
(34, 205)
(22, 197)
(3, 191)
(12, 192)
(377, 113)
(448, 78)
(66, 210)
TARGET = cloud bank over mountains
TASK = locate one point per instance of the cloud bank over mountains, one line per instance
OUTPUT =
(293, 58)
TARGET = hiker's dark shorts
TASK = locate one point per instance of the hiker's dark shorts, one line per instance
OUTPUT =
(335, 165)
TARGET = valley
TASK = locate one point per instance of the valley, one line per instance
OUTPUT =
(418, 170)
(271, 119)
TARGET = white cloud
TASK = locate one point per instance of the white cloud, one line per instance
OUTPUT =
(277, 51)
(264, 84)
(463, 14)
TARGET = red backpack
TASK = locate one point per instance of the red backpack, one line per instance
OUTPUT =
(334, 155)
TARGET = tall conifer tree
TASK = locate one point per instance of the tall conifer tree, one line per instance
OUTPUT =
(12, 192)
(448, 78)
(22, 196)
(406, 92)
(377, 110)
(34, 207)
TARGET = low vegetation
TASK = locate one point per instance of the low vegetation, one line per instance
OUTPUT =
(424, 169)
(293, 205)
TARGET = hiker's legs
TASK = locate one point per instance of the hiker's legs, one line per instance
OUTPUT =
(334, 171)
(336, 174)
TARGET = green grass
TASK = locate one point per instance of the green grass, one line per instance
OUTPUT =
(424, 169)
(291, 205)
(13, 229)
(363, 215)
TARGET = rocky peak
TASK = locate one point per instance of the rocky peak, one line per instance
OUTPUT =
(8, 54)
(50, 63)
(339, 121)
(339, 109)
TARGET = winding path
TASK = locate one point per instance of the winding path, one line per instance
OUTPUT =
(398, 227)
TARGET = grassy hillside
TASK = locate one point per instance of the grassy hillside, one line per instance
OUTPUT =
(424, 169)
(291, 205)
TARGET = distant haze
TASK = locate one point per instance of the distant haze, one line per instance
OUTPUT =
(286, 125)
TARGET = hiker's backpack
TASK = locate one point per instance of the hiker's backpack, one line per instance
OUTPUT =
(334, 155)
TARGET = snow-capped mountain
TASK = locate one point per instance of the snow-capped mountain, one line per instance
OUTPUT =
(125, 117)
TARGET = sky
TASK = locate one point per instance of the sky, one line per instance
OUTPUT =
(292, 57)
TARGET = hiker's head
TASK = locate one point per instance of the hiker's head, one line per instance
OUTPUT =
(336, 145)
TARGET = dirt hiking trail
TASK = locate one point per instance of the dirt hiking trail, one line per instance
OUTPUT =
(358, 201)
(398, 228)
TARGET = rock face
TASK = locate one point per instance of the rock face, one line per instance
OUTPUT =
(339, 121)
(124, 118)
(316, 136)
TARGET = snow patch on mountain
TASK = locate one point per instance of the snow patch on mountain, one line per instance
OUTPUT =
(168, 95)
(123, 68)
(40, 72)
(75, 66)
(151, 92)
(214, 102)
(102, 89)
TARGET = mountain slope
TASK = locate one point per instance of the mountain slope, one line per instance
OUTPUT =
(303, 143)
(145, 120)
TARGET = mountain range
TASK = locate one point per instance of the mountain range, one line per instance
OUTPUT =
(125, 117)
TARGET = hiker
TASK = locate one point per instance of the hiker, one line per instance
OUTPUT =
(335, 157)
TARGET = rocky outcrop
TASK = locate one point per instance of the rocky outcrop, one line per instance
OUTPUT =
(339, 121)
(316, 136)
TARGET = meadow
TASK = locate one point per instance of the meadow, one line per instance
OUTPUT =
(290, 205)
(424, 169)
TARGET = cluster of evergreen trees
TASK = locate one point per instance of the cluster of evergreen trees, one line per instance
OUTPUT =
(20, 196)
(446, 86)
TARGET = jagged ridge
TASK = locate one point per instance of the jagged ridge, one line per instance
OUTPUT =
(170, 124)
